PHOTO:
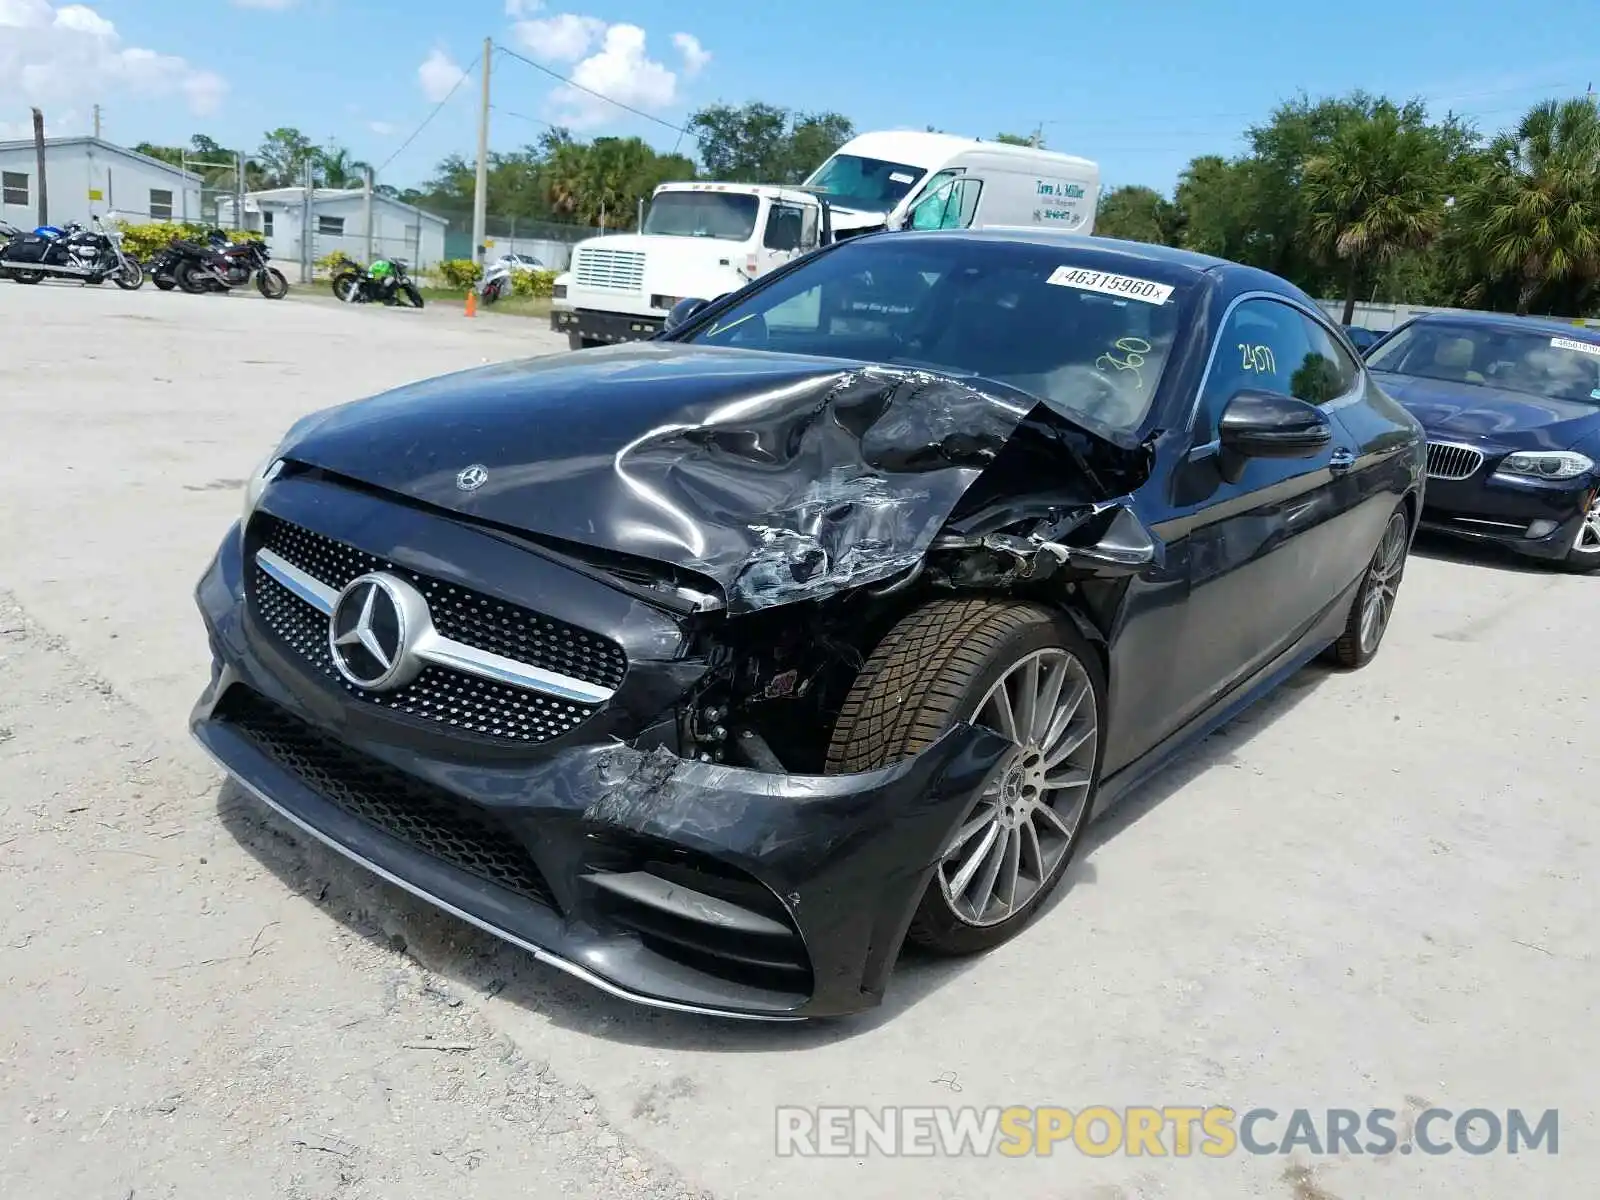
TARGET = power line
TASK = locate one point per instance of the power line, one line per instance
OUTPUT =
(638, 112)
(425, 120)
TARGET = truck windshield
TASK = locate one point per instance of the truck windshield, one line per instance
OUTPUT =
(730, 216)
(1087, 333)
(870, 184)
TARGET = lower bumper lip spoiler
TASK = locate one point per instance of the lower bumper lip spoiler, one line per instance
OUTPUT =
(538, 952)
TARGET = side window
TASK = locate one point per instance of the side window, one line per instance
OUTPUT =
(951, 207)
(935, 182)
(808, 228)
(785, 228)
(1327, 371)
(1261, 345)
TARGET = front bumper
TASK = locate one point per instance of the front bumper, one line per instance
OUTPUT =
(1536, 518)
(680, 884)
(604, 326)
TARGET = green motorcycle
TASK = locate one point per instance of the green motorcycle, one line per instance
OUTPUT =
(384, 282)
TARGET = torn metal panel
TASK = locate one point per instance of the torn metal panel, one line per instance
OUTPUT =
(777, 478)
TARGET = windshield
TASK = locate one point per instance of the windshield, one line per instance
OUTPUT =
(730, 216)
(866, 183)
(1516, 360)
(1041, 319)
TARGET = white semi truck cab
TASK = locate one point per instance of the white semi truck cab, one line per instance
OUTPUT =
(699, 240)
(702, 240)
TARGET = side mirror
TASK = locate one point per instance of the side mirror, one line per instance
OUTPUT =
(681, 312)
(1262, 424)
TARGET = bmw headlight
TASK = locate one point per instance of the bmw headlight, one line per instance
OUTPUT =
(1546, 464)
(265, 472)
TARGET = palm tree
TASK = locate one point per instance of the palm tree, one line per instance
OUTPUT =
(1377, 191)
(1533, 212)
(338, 168)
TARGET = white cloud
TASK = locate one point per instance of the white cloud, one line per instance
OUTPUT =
(382, 128)
(522, 8)
(695, 56)
(565, 37)
(270, 5)
(47, 53)
(438, 75)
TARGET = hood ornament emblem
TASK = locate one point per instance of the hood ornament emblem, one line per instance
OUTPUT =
(470, 479)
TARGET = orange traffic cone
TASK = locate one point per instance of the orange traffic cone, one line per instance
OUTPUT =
(472, 302)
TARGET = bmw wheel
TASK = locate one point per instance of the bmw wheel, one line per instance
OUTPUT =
(1023, 671)
(1585, 553)
(1374, 603)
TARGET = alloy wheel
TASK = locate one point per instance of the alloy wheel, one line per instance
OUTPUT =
(1383, 582)
(1588, 539)
(1024, 823)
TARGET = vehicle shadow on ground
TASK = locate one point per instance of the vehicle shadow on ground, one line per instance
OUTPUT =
(1443, 548)
(473, 961)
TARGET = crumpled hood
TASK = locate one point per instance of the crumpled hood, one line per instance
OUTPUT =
(778, 477)
(1474, 412)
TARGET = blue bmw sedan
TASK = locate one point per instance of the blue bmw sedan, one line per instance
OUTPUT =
(1511, 407)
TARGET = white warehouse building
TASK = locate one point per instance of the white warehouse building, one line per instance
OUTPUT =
(338, 223)
(88, 177)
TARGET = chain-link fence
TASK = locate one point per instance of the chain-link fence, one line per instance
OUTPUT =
(550, 242)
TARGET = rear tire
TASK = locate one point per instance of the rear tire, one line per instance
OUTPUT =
(1373, 605)
(994, 663)
(189, 279)
(27, 276)
(344, 285)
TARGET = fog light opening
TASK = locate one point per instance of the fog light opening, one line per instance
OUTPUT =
(1541, 528)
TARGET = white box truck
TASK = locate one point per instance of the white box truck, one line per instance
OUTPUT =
(702, 240)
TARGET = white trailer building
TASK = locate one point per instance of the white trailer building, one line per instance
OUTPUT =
(89, 177)
(339, 223)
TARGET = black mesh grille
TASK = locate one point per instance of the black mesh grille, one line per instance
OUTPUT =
(451, 698)
(404, 808)
(458, 612)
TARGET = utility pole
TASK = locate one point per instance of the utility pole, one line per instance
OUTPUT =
(38, 154)
(307, 259)
(480, 189)
(97, 122)
(238, 189)
(366, 211)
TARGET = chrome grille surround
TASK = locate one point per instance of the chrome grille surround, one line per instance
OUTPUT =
(1447, 460)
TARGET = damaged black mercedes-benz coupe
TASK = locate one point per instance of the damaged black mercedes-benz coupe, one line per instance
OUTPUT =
(714, 669)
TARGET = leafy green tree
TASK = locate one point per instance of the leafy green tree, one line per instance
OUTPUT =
(1139, 214)
(762, 143)
(336, 167)
(1533, 213)
(1218, 201)
(283, 155)
(1376, 190)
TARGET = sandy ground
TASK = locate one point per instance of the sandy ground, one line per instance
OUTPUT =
(1374, 891)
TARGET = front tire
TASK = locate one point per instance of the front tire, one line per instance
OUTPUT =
(272, 283)
(1585, 553)
(1025, 672)
(412, 295)
(1373, 606)
(164, 283)
(131, 277)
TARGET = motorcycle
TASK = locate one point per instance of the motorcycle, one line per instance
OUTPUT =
(163, 266)
(90, 256)
(221, 266)
(384, 282)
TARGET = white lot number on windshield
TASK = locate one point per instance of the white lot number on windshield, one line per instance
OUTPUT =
(1111, 285)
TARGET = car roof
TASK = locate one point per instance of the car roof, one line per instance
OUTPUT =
(1510, 322)
(1166, 264)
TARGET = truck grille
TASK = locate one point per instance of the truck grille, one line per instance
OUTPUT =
(406, 809)
(451, 698)
(1446, 461)
(615, 270)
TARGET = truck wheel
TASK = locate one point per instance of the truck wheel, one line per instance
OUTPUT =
(1026, 673)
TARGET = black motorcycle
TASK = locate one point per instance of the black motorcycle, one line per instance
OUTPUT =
(221, 266)
(162, 268)
(90, 256)
(384, 282)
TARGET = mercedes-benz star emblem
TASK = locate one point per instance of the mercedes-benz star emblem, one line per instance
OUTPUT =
(373, 629)
(470, 479)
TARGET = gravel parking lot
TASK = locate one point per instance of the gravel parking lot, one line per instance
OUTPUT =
(1374, 891)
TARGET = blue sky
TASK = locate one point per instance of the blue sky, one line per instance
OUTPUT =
(1141, 88)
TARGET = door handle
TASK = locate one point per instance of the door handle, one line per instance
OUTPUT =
(1341, 461)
